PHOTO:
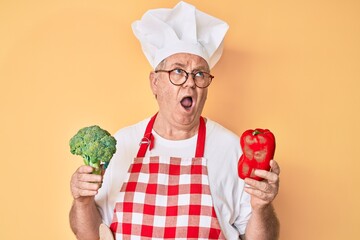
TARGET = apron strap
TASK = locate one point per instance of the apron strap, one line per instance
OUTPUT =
(200, 145)
(148, 139)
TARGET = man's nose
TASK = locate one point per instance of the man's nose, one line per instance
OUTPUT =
(190, 82)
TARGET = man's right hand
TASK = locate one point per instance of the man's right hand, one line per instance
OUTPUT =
(85, 218)
(85, 185)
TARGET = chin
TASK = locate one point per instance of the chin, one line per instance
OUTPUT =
(187, 117)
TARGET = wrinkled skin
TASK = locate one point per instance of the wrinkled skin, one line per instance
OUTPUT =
(174, 121)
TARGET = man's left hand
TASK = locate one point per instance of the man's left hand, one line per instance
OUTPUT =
(263, 192)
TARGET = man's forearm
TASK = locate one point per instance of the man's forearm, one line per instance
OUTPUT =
(85, 220)
(263, 225)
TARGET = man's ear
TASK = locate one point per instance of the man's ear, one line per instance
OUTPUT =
(153, 82)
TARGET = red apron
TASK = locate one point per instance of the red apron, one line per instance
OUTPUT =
(166, 197)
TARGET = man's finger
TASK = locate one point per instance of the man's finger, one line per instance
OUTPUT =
(257, 193)
(85, 169)
(87, 193)
(271, 177)
(275, 167)
(89, 177)
(88, 186)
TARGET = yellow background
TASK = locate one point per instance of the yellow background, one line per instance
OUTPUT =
(291, 66)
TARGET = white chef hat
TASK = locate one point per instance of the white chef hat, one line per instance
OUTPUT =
(183, 29)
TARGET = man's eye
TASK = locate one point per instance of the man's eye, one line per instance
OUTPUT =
(178, 71)
(199, 74)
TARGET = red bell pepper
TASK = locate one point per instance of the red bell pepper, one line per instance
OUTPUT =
(258, 149)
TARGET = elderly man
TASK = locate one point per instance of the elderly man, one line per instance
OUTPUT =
(181, 181)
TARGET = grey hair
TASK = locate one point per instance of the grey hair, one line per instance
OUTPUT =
(161, 65)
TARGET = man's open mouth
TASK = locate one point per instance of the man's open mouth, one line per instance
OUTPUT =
(187, 102)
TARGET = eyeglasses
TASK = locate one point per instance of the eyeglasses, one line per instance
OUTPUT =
(179, 76)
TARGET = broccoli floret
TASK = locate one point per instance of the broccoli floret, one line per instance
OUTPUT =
(95, 145)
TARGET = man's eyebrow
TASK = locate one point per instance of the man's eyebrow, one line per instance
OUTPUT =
(178, 65)
(199, 68)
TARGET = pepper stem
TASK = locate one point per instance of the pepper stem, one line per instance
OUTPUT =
(256, 132)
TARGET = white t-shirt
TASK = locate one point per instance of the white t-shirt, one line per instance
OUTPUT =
(222, 151)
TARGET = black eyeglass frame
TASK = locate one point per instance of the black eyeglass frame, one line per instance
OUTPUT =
(187, 76)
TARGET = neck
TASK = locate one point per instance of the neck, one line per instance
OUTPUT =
(173, 130)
